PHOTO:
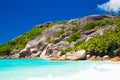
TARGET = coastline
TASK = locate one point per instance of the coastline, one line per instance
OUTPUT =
(93, 37)
(93, 58)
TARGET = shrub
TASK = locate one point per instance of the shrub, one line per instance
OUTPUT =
(62, 31)
(95, 24)
(74, 23)
(75, 29)
(78, 43)
(61, 22)
(73, 37)
(89, 25)
(51, 25)
(49, 40)
(106, 43)
(66, 50)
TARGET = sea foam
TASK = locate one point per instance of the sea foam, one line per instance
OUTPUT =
(93, 72)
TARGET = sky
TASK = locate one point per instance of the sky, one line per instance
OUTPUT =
(18, 16)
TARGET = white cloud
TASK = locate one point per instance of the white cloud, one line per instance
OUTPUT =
(111, 6)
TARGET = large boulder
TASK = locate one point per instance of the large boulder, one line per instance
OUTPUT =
(47, 34)
(35, 55)
(56, 40)
(42, 46)
(44, 53)
(61, 45)
(79, 55)
(33, 50)
(25, 53)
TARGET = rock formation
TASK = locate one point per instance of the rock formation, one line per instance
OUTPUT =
(38, 47)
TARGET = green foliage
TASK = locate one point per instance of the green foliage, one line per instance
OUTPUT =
(95, 24)
(63, 52)
(69, 49)
(62, 31)
(73, 37)
(115, 21)
(78, 43)
(61, 22)
(49, 40)
(19, 42)
(74, 23)
(75, 29)
(106, 43)
(51, 25)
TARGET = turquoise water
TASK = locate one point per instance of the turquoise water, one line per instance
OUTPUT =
(42, 69)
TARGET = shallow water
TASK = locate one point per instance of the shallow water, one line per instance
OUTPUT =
(41, 69)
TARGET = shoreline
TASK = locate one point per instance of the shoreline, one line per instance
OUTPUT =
(93, 58)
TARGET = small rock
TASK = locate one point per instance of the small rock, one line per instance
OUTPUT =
(93, 58)
(106, 57)
(99, 58)
(117, 58)
(88, 56)
(63, 57)
(15, 56)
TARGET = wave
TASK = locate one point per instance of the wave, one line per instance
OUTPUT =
(93, 72)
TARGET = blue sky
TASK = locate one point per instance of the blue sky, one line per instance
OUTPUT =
(18, 16)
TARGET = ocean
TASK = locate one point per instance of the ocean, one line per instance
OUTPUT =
(43, 69)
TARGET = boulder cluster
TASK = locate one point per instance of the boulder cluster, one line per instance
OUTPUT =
(38, 47)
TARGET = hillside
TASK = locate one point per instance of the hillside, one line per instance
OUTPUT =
(94, 37)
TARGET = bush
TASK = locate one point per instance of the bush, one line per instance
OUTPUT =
(106, 43)
(62, 31)
(73, 37)
(95, 24)
(78, 43)
(66, 50)
(61, 22)
(75, 29)
(51, 25)
(74, 23)
(49, 40)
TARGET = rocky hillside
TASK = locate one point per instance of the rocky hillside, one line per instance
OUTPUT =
(94, 37)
